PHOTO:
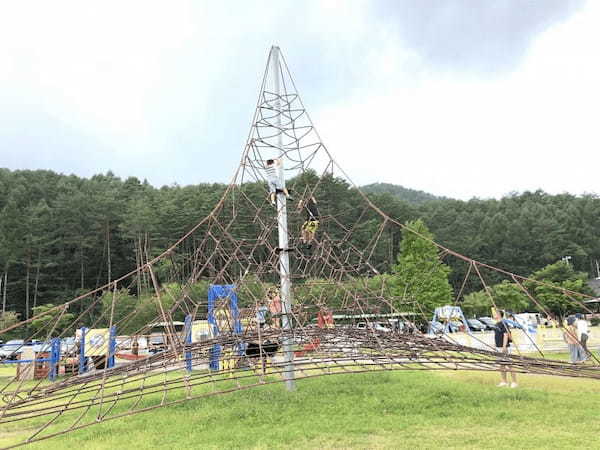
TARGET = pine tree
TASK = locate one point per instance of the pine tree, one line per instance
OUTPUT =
(419, 275)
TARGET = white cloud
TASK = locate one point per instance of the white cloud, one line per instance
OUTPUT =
(144, 88)
(463, 138)
(97, 67)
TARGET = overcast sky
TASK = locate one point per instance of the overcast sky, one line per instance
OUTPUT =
(460, 98)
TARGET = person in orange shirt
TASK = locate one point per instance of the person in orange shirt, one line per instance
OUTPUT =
(274, 307)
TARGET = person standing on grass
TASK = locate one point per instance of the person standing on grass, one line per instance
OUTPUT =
(583, 334)
(570, 337)
(503, 339)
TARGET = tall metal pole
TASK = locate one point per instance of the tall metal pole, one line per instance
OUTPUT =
(4, 300)
(284, 259)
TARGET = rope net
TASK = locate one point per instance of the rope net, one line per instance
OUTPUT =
(238, 307)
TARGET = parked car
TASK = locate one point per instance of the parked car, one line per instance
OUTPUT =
(490, 324)
(528, 321)
(513, 324)
(436, 327)
(476, 325)
(156, 343)
(373, 325)
(39, 346)
(68, 346)
(11, 349)
(455, 326)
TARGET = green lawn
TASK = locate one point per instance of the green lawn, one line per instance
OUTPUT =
(379, 410)
(7, 371)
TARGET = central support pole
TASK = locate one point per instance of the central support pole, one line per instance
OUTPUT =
(282, 228)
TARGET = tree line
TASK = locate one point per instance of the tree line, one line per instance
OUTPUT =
(61, 235)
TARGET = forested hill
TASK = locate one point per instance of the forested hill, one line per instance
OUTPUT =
(63, 234)
(408, 195)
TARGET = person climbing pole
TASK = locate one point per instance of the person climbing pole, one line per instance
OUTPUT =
(311, 224)
(274, 181)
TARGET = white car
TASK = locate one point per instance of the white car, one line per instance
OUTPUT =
(68, 346)
(374, 326)
(39, 347)
(11, 349)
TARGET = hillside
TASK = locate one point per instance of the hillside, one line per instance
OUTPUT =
(408, 195)
(48, 253)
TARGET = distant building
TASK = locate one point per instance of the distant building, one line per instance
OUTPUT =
(594, 284)
(594, 303)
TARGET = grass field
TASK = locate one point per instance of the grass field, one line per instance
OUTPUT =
(379, 410)
(6, 371)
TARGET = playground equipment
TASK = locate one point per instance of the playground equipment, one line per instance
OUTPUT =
(98, 345)
(324, 320)
(223, 316)
(34, 365)
(445, 315)
(243, 247)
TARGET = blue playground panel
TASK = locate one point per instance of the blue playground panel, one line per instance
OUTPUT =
(215, 292)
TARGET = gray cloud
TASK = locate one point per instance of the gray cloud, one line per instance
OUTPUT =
(488, 36)
(35, 140)
(180, 110)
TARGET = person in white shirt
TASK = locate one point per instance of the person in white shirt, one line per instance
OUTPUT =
(583, 333)
(273, 179)
(261, 315)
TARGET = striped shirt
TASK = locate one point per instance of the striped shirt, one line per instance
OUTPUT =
(272, 173)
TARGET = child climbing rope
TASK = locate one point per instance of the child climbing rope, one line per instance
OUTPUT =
(311, 224)
(275, 307)
(275, 185)
(261, 315)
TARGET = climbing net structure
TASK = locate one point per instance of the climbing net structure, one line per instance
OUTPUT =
(278, 283)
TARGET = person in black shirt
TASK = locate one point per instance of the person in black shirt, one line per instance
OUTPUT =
(503, 340)
(311, 224)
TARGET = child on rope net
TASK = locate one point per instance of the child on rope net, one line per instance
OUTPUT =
(274, 181)
(261, 315)
(259, 352)
(274, 307)
(311, 224)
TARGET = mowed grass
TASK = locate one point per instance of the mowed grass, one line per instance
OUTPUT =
(414, 409)
(7, 371)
